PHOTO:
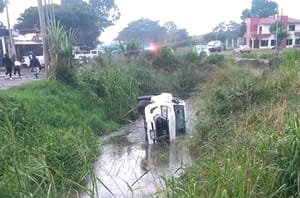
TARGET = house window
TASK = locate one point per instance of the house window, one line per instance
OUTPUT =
(264, 43)
(291, 27)
(273, 42)
(260, 29)
(289, 41)
(297, 41)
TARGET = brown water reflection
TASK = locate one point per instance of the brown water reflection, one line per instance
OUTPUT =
(133, 168)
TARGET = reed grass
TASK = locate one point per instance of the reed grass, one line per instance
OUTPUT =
(248, 145)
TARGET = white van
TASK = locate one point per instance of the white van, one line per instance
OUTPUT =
(215, 46)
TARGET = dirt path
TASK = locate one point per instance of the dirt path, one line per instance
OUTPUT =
(26, 77)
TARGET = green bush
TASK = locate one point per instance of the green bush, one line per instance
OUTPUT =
(215, 59)
(266, 56)
(290, 58)
(249, 55)
(236, 90)
(185, 80)
(66, 75)
(190, 56)
(165, 59)
(116, 87)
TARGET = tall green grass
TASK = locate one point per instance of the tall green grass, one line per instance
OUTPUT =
(49, 129)
(49, 134)
(248, 144)
(44, 152)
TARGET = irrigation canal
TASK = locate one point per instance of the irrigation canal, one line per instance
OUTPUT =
(129, 167)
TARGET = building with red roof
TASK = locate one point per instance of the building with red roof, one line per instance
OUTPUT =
(258, 33)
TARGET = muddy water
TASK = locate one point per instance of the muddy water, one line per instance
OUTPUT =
(129, 167)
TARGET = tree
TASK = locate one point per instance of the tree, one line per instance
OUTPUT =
(174, 36)
(81, 17)
(277, 29)
(260, 9)
(223, 31)
(170, 26)
(143, 31)
(87, 18)
(264, 8)
(107, 12)
(29, 19)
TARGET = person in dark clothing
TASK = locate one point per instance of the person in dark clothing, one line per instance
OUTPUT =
(35, 63)
(8, 63)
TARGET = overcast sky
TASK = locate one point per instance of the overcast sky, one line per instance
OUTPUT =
(197, 16)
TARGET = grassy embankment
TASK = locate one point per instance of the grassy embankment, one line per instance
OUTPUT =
(248, 139)
(49, 130)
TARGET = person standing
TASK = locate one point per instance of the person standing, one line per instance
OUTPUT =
(8, 63)
(17, 68)
(35, 64)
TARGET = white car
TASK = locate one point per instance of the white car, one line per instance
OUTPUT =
(242, 49)
(95, 53)
(201, 49)
(215, 46)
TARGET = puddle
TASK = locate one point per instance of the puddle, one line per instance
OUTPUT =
(129, 167)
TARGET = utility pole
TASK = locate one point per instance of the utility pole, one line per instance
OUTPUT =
(277, 47)
(43, 29)
(12, 49)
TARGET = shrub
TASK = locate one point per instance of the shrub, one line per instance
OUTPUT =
(215, 59)
(185, 80)
(290, 58)
(190, 56)
(249, 55)
(132, 48)
(165, 59)
(236, 89)
(115, 87)
(66, 75)
(266, 56)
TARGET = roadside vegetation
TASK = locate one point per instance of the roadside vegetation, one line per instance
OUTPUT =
(50, 128)
(248, 135)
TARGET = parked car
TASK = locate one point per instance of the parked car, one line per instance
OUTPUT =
(96, 52)
(201, 49)
(215, 46)
(242, 49)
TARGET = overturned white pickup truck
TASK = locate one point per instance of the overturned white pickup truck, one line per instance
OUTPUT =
(164, 117)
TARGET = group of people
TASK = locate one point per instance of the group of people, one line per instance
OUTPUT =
(11, 64)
